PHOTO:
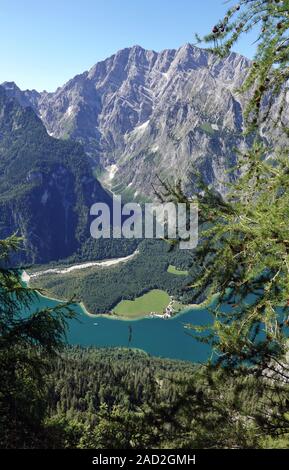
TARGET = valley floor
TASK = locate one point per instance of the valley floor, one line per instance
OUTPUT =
(148, 283)
(77, 267)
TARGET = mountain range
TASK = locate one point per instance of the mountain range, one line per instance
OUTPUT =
(116, 128)
(140, 113)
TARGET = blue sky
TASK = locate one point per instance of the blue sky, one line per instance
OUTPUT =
(43, 43)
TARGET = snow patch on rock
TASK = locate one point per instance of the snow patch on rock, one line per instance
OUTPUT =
(112, 170)
(141, 128)
(70, 110)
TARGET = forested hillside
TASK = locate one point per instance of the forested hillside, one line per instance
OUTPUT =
(53, 396)
(46, 186)
(122, 398)
(146, 271)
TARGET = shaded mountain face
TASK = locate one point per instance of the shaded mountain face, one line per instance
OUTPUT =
(46, 186)
(141, 113)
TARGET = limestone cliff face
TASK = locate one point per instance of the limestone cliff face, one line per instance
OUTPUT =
(140, 113)
(46, 186)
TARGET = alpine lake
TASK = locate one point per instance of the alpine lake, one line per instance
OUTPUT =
(170, 338)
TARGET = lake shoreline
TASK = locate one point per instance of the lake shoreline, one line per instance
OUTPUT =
(111, 316)
(159, 338)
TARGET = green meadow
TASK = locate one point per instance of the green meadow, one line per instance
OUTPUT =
(178, 272)
(154, 301)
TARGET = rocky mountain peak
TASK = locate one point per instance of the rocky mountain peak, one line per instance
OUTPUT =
(149, 113)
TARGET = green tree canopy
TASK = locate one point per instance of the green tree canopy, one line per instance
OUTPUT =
(29, 338)
(244, 244)
(269, 73)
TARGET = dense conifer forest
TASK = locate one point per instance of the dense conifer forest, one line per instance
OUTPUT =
(55, 396)
(147, 271)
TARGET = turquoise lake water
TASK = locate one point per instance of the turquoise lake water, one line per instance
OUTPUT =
(165, 338)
